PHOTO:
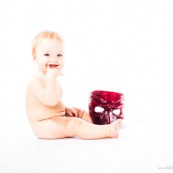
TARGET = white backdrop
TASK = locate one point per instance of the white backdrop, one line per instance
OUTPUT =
(117, 45)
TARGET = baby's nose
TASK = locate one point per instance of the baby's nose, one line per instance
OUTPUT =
(54, 59)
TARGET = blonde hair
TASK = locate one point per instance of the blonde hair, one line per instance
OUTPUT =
(42, 35)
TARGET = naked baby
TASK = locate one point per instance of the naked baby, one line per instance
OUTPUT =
(47, 114)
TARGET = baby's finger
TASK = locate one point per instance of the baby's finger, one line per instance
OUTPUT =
(69, 114)
(74, 111)
(61, 74)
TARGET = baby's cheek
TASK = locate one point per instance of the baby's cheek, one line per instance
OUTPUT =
(61, 66)
(43, 67)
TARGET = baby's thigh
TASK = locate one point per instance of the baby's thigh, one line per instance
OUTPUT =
(49, 129)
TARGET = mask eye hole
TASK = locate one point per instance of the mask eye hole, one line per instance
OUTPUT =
(98, 109)
(116, 111)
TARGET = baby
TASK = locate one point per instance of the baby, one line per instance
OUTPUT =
(46, 112)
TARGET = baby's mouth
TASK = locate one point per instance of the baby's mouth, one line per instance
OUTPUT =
(53, 65)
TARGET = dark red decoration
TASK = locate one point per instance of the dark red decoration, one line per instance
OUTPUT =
(105, 106)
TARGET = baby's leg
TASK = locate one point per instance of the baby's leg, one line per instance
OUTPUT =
(62, 127)
(84, 115)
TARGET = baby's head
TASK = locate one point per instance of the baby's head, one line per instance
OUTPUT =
(47, 50)
(44, 35)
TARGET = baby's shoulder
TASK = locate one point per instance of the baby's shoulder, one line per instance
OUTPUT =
(35, 83)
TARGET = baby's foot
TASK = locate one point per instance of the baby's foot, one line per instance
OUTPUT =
(119, 122)
(113, 128)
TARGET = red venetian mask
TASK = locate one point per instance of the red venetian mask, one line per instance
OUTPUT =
(105, 106)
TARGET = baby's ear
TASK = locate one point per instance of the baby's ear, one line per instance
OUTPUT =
(33, 56)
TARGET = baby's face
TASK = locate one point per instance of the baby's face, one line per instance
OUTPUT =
(49, 54)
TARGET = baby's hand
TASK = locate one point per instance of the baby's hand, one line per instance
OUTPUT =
(71, 112)
(53, 71)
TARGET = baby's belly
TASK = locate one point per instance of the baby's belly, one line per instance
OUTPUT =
(37, 116)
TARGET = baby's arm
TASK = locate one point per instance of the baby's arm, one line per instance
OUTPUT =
(51, 92)
(47, 91)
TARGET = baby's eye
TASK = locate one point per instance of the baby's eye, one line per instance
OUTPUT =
(46, 54)
(59, 55)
